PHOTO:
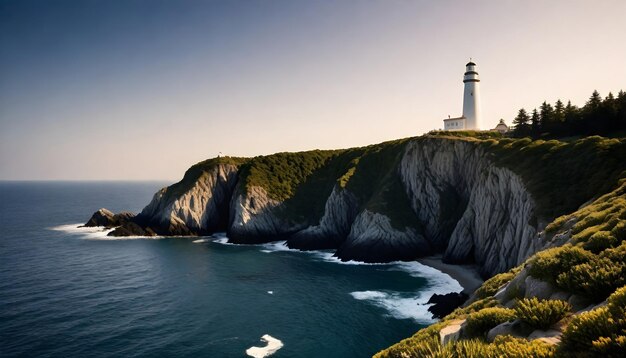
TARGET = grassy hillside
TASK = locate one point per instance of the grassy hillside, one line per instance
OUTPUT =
(592, 266)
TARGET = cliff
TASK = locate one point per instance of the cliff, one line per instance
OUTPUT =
(478, 200)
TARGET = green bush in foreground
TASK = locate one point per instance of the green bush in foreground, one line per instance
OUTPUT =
(549, 264)
(511, 347)
(480, 322)
(596, 279)
(503, 346)
(600, 331)
(541, 313)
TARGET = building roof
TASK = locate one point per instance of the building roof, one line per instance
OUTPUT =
(470, 64)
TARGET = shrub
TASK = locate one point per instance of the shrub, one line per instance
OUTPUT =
(601, 330)
(549, 264)
(421, 344)
(464, 348)
(478, 323)
(600, 241)
(492, 285)
(614, 346)
(586, 328)
(619, 230)
(473, 307)
(511, 347)
(616, 254)
(617, 305)
(541, 313)
(596, 279)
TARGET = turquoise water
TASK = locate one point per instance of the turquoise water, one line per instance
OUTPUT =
(74, 293)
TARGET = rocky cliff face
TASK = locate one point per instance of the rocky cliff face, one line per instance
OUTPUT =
(339, 213)
(254, 219)
(474, 210)
(200, 208)
(465, 206)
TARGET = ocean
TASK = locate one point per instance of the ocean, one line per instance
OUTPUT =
(70, 292)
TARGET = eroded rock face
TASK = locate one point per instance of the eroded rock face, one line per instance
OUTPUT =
(476, 211)
(202, 208)
(340, 211)
(253, 218)
(372, 238)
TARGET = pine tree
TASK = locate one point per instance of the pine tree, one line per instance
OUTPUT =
(559, 112)
(571, 116)
(594, 101)
(546, 113)
(521, 123)
(535, 123)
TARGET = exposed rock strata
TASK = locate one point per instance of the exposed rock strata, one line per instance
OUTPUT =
(202, 208)
(475, 211)
(466, 207)
(339, 213)
(372, 238)
(254, 218)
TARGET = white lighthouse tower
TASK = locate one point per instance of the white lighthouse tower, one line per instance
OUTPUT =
(471, 97)
(471, 118)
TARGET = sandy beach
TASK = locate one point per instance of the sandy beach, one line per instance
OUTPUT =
(466, 275)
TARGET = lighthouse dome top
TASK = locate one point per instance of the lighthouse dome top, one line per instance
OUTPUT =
(470, 64)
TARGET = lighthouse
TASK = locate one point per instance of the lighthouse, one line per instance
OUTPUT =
(471, 118)
(471, 97)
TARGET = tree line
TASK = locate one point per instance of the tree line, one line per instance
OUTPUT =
(598, 116)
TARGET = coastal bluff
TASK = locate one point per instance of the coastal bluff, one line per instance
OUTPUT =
(476, 198)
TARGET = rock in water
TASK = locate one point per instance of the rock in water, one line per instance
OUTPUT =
(102, 217)
(445, 304)
(106, 218)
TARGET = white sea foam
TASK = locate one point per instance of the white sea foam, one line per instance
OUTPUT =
(95, 233)
(329, 257)
(412, 306)
(276, 246)
(201, 241)
(438, 282)
(272, 346)
(398, 305)
(223, 241)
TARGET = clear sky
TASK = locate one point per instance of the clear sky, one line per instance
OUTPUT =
(127, 89)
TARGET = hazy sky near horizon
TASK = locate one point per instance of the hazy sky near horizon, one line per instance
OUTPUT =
(127, 89)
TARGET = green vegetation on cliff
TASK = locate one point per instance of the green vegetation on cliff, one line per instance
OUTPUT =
(305, 180)
(562, 175)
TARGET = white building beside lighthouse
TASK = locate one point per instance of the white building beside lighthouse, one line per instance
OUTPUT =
(471, 118)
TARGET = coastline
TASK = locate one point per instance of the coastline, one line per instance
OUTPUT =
(466, 275)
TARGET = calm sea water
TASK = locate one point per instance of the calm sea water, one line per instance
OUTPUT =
(70, 293)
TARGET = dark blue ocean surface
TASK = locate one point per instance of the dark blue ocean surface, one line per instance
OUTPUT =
(65, 292)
